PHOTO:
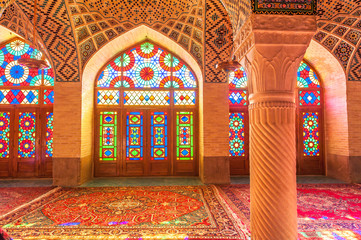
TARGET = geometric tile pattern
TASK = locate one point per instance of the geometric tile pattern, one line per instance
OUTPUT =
(303, 7)
(98, 22)
(343, 52)
(330, 8)
(238, 11)
(218, 41)
(55, 29)
(344, 36)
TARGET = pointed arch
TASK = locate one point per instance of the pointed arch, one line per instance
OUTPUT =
(336, 116)
(105, 55)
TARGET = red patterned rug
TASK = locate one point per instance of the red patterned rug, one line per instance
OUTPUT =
(13, 197)
(178, 212)
(325, 211)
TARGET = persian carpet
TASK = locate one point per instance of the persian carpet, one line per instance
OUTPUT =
(163, 212)
(325, 211)
(13, 197)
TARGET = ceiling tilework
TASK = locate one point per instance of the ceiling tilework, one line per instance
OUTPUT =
(341, 35)
(327, 9)
(98, 22)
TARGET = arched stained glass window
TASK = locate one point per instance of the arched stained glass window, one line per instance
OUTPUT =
(31, 126)
(153, 94)
(238, 122)
(309, 99)
(147, 66)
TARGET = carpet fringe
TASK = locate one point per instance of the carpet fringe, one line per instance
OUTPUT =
(31, 202)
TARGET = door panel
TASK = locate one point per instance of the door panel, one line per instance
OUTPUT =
(26, 140)
(310, 147)
(159, 160)
(238, 143)
(107, 144)
(134, 148)
(46, 161)
(6, 119)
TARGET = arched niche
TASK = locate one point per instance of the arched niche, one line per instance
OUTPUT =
(335, 110)
(104, 55)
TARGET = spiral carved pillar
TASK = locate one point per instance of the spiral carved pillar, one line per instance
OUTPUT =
(280, 44)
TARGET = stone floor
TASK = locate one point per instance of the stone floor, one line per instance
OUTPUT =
(153, 181)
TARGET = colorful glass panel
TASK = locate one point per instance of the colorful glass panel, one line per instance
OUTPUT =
(309, 98)
(49, 96)
(111, 75)
(27, 123)
(184, 97)
(185, 138)
(306, 77)
(238, 98)
(238, 78)
(146, 66)
(236, 135)
(49, 134)
(13, 74)
(159, 136)
(183, 77)
(108, 136)
(49, 77)
(4, 134)
(17, 96)
(160, 98)
(108, 97)
(134, 132)
(311, 139)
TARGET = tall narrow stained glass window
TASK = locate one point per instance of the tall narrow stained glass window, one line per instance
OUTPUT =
(185, 140)
(135, 136)
(108, 136)
(49, 134)
(27, 121)
(238, 104)
(310, 109)
(4, 134)
(159, 135)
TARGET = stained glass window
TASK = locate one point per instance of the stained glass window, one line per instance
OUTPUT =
(306, 77)
(237, 98)
(238, 78)
(309, 98)
(27, 121)
(13, 74)
(108, 136)
(49, 96)
(185, 145)
(108, 97)
(311, 134)
(49, 134)
(159, 136)
(160, 98)
(184, 97)
(147, 66)
(4, 134)
(17, 96)
(236, 134)
(134, 140)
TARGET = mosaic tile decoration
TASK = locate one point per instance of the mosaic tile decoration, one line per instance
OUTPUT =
(238, 11)
(218, 41)
(304, 7)
(330, 8)
(343, 53)
(54, 26)
(354, 73)
(99, 22)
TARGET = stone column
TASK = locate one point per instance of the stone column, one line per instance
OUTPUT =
(280, 44)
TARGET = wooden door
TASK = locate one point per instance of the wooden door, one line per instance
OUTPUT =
(310, 141)
(27, 142)
(239, 142)
(6, 142)
(46, 139)
(146, 145)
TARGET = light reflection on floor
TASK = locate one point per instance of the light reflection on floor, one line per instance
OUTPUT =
(331, 235)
